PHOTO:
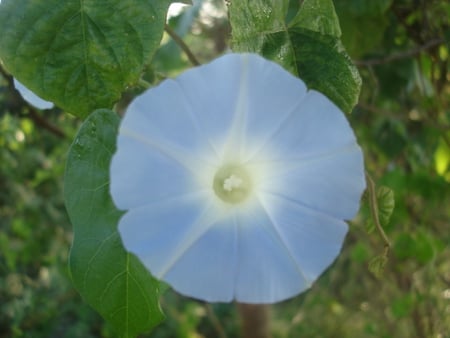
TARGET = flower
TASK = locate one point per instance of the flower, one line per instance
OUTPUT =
(31, 97)
(236, 180)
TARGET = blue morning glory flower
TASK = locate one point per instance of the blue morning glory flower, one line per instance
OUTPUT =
(31, 97)
(237, 181)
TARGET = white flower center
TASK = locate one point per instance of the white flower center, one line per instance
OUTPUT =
(232, 183)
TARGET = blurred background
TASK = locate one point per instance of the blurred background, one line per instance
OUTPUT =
(402, 122)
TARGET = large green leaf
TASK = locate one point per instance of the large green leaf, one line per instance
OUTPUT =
(80, 54)
(318, 16)
(308, 46)
(111, 280)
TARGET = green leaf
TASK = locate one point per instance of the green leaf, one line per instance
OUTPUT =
(111, 280)
(386, 204)
(377, 265)
(318, 16)
(80, 54)
(308, 49)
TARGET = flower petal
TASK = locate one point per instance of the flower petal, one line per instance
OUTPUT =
(31, 97)
(273, 94)
(267, 272)
(159, 236)
(317, 126)
(306, 173)
(163, 116)
(207, 270)
(211, 93)
(143, 173)
(314, 239)
(193, 249)
(331, 183)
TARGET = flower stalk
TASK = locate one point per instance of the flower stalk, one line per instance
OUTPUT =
(255, 320)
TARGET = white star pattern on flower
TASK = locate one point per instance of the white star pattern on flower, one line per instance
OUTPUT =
(237, 181)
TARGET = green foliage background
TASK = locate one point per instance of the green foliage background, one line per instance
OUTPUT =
(402, 120)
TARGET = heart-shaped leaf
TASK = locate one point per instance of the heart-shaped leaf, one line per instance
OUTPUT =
(308, 46)
(79, 54)
(111, 280)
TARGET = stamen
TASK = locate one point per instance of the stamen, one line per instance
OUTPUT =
(232, 182)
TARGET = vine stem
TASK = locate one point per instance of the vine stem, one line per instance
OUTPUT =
(144, 84)
(179, 41)
(33, 114)
(215, 321)
(402, 55)
(374, 211)
(255, 320)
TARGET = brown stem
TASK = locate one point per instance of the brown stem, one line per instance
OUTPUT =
(43, 123)
(182, 45)
(215, 321)
(399, 56)
(32, 112)
(255, 320)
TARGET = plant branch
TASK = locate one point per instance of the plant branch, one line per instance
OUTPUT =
(41, 122)
(182, 45)
(425, 119)
(32, 112)
(399, 56)
(215, 321)
(144, 84)
(255, 320)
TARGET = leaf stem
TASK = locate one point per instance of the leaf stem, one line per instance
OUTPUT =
(144, 84)
(182, 45)
(374, 211)
(215, 321)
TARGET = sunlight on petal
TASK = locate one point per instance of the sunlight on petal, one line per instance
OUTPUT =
(276, 96)
(314, 127)
(213, 105)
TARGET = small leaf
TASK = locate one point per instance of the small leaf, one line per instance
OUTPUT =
(81, 55)
(377, 265)
(111, 280)
(308, 49)
(370, 225)
(386, 204)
